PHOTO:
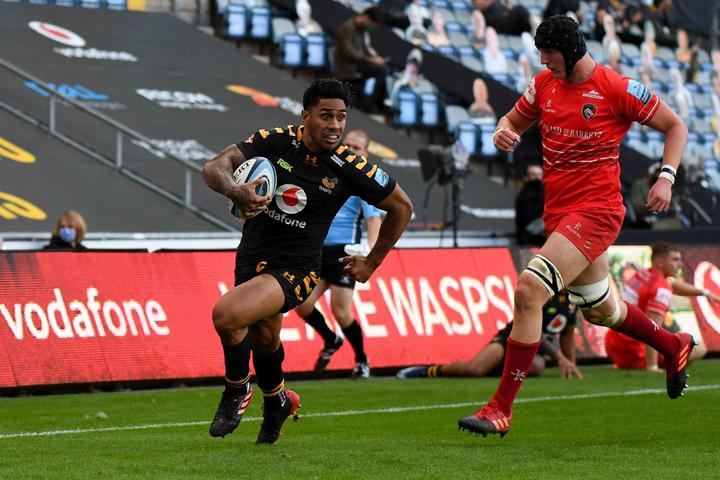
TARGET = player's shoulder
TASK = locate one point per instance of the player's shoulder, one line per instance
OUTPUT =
(543, 79)
(289, 132)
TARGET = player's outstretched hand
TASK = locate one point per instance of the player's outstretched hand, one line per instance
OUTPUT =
(658, 199)
(359, 267)
(568, 369)
(247, 201)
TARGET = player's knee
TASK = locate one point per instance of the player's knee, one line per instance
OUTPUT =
(545, 273)
(603, 316)
(529, 295)
(264, 340)
(592, 299)
(227, 317)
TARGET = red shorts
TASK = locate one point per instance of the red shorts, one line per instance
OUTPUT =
(625, 352)
(591, 232)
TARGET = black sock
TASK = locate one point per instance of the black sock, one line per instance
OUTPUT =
(237, 365)
(354, 335)
(317, 321)
(270, 378)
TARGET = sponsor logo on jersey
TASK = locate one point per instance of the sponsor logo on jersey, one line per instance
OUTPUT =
(181, 100)
(588, 111)
(548, 107)
(95, 54)
(381, 177)
(261, 266)
(575, 229)
(638, 90)
(530, 92)
(284, 165)
(328, 184)
(339, 161)
(557, 324)
(290, 198)
(311, 160)
(593, 94)
(57, 33)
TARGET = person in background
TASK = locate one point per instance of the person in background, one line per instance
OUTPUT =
(559, 316)
(511, 20)
(481, 110)
(529, 227)
(344, 235)
(68, 233)
(651, 290)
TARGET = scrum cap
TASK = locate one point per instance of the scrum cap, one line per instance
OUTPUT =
(563, 34)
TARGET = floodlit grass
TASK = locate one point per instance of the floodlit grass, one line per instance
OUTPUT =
(612, 424)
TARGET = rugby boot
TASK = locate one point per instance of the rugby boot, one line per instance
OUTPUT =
(230, 411)
(489, 419)
(361, 371)
(675, 368)
(326, 353)
(273, 420)
(418, 371)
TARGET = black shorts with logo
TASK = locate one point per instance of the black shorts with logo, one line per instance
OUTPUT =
(332, 270)
(296, 283)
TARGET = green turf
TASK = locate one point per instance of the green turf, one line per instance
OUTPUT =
(606, 435)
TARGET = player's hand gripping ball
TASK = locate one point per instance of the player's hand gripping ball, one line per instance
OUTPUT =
(249, 171)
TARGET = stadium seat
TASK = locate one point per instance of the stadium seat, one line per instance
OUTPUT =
(454, 114)
(473, 63)
(90, 3)
(468, 134)
(116, 5)
(408, 108)
(237, 21)
(430, 108)
(292, 51)
(448, 51)
(316, 50)
(260, 23)
(65, 3)
(281, 26)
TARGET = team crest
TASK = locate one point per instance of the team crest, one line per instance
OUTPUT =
(588, 111)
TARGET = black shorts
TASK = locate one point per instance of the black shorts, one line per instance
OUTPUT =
(296, 283)
(332, 270)
(502, 335)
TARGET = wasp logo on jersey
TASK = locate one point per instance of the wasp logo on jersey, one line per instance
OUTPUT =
(328, 184)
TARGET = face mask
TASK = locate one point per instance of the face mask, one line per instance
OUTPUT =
(67, 234)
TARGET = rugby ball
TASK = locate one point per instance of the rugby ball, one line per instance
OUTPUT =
(249, 171)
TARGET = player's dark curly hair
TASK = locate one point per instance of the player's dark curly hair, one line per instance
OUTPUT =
(326, 88)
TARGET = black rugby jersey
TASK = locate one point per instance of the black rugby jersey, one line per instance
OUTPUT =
(311, 188)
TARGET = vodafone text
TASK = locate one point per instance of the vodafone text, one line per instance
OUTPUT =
(85, 318)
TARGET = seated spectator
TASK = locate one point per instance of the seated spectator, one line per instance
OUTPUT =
(414, 8)
(494, 60)
(416, 33)
(436, 35)
(529, 227)
(631, 24)
(659, 16)
(613, 8)
(683, 53)
(69, 233)
(305, 25)
(478, 24)
(715, 95)
(531, 52)
(410, 77)
(481, 110)
(682, 96)
(356, 59)
(563, 7)
(525, 73)
(611, 44)
(392, 13)
(511, 20)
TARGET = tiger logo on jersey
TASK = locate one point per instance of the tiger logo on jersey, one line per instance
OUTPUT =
(588, 111)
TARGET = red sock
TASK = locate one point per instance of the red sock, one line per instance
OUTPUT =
(640, 327)
(518, 358)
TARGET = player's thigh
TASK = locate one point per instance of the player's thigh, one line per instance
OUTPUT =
(305, 308)
(248, 303)
(340, 302)
(565, 256)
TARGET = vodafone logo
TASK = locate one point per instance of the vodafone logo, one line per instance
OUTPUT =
(557, 324)
(707, 276)
(290, 198)
(58, 34)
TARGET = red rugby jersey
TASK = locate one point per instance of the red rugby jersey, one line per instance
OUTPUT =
(649, 290)
(582, 125)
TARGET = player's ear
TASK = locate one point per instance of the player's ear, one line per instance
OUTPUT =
(305, 116)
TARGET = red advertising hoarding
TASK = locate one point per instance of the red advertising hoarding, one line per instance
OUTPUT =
(97, 317)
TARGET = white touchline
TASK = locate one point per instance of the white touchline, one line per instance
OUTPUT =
(343, 413)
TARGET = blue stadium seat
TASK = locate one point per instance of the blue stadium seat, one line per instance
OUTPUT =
(260, 23)
(39, 2)
(408, 108)
(430, 108)
(291, 45)
(488, 146)
(90, 3)
(65, 3)
(454, 114)
(237, 21)
(448, 51)
(316, 48)
(468, 134)
(116, 5)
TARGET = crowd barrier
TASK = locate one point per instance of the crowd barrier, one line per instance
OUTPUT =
(68, 318)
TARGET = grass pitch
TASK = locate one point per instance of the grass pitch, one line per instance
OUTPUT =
(612, 424)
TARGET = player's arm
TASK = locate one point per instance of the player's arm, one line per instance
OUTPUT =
(399, 209)
(671, 125)
(568, 367)
(508, 130)
(217, 174)
(682, 288)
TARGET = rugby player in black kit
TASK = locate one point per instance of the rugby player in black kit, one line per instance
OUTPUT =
(278, 259)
